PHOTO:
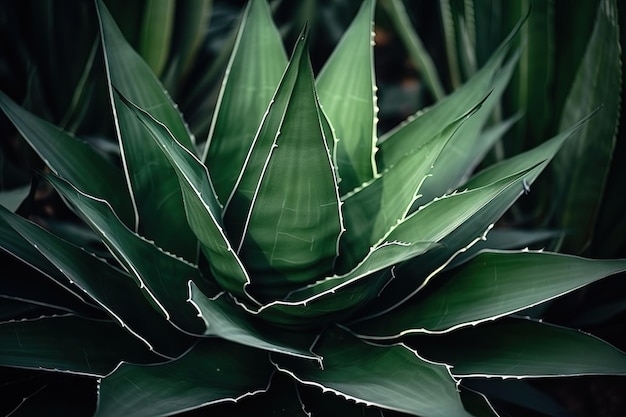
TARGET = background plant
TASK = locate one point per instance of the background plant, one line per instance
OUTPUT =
(35, 308)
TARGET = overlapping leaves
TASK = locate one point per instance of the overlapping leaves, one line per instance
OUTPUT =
(287, 247)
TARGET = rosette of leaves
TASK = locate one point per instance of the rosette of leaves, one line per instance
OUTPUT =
(295, 263)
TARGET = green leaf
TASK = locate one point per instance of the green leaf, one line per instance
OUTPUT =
(522, 348)
(425, 124)
(113, 290)
(392, 377)
(238, 206)
(468, 146)
(347, 94)
(373, 210)
(155, 34)
(332, 297)
(597, 83)
(244, 96)
(336, 297)
(291, 234)
(213, 371)
(458, 237)
(493, 284)
(225, 319)
(71, 158)
(164, 276)
(428, 223)
(154, 188)
(69, 344)
(13, 287)
(540, 154)
(201, 206)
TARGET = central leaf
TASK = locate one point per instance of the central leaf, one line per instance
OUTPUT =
(293, 225)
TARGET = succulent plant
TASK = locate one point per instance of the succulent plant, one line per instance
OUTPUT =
(295, 252)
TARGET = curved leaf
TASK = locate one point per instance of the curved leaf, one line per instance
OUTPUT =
(335, 297)
(72, 159)
(392, 377)
(411, 238)
(522, 348)
(347, 94)
(291, 234)
(372, 210)
(213, 371)
(163, 275)
(225, 319)
(201, 206)
(154, 189)
(113, 290)
(493, 284)
(244, 96)
(69, 344)
(237, 207)
(425, 124)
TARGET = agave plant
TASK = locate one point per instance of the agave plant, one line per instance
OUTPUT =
(295, 263)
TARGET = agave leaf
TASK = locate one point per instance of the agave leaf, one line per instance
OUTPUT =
(237, 208)
(597, 83)
(414, 274)
(225, 319)
(12, 242)
(347, 94)
(154, 188)
(468, 147)
(503, 238)
(493, 284)
(201, 206)
(105, 285)
(69, 344)
(427, 223)
(336, 296)
(544, 152)
(425, 124)
(372, 211)
(413, 237)
(522, 348)
(289, 165)
(391, 377)
(72, 159)
(213, 371)
(163, 275)
(155, 34)
(291, 235)
(473, 229)
(244, 92)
